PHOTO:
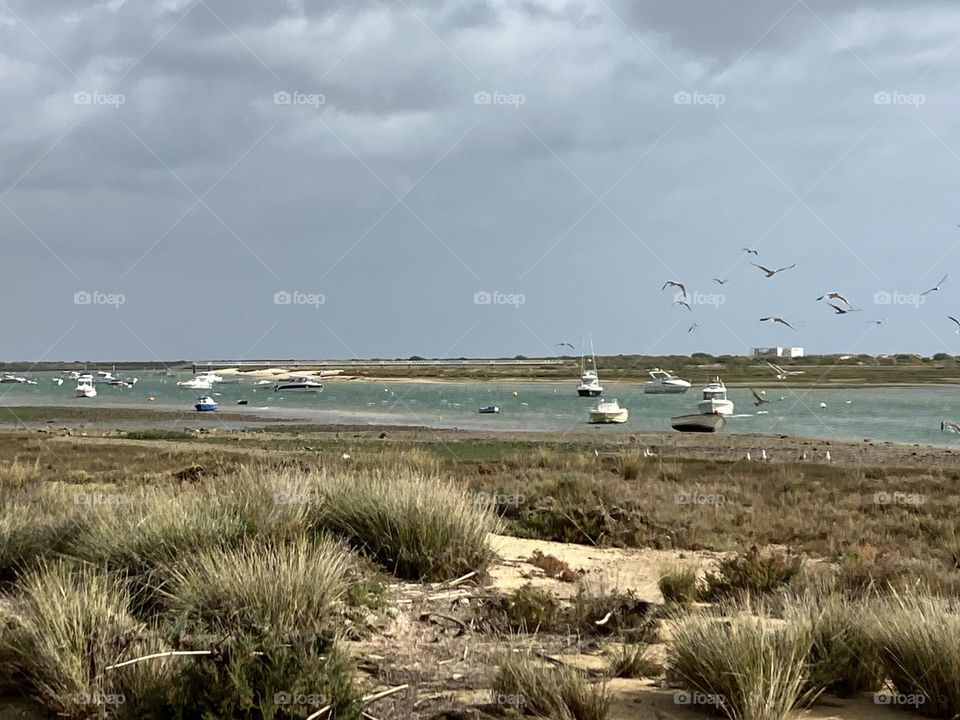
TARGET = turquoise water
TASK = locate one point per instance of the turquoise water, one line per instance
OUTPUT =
(896, 414)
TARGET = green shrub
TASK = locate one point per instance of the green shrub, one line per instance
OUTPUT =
(680, 584)
(752, 573)
(558, 693)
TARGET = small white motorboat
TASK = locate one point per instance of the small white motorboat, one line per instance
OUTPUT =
(205, 403)
(298, 384)
(489, 410)
(589, 379)
(7, 378)
(665, 382)
(715, 399)
(197, 383)
(608, 411)
(85, 387)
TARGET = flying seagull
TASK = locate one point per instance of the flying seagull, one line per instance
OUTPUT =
(841, 311)
(936, 287)
(951, 317)
(681, 302)
(748, 251)
(879, 322)
(777, 320)
(718, 281)
(671, 283)
(696, 325)
(562, 344)
(770, 273)
(758, 399)
(834, 295)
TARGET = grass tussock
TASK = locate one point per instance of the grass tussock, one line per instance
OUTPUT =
(69, 625)
(749, 667)
(559, 693)
(627, 660)
(919, 641)
(680, 584)
(416, 526)
(752, 573)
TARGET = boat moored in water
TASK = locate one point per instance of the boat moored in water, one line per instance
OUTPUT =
(298, 385)
(665, 382)
(205, 403)
(85, 387)
(608, 411)
(489, 410)
(715, 399)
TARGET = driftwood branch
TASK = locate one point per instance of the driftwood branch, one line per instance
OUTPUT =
(154, 656)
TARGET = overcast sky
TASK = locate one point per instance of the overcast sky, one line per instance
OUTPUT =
(234, 178)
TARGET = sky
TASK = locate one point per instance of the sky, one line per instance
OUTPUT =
(211, 179)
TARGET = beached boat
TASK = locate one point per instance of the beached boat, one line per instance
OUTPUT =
(197, 383)
(609, 411)
(665, 382)
(85, 387)
(298, 385)
(489, 410)
(205, 403)
(699, 422)
(715, 399)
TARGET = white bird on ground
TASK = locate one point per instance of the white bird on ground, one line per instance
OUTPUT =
(345, 456)
(803, 455)
(827, 456)
(748, 457)
(648, 453)
(763, 454)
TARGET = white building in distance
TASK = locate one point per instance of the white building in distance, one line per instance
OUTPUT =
(778, 352)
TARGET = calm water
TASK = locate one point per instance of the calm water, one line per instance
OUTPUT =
(896, 414)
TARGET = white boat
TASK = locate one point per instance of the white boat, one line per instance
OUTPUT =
(105, 377)
(609, 411)
(298, 384)
(665, 382)
(85, 387)
(211, 376)
(197, 383)
(589, 379)
(7, 378)
(715, 400)
(205, 403)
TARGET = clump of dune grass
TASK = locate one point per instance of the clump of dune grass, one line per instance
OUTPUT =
(919, 640)
(601, 610)
(751, 667)
(559, 693)
(752, 573)
(416, 526)
(679, 583)
(630, 660)
(69, 625)
(528, 609)
(259, 590)
(844, 659)
(33, 526)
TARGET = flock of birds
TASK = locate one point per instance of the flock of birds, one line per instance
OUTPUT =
(836, 300)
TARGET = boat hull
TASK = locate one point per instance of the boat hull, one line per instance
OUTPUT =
(589, 392)
(609, 418)
(658, 389)
(715, 407)
(698, 423)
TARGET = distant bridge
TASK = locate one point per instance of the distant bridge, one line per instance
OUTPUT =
(436, 362)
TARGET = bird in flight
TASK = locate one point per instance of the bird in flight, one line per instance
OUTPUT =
(718, 281)
(951, 317)
(748, 251)
(842, 311)
(770, 273)
(681, 302)
(834, 295)
(935, 287)
(693, 327)
(758, 399)
(671, 283)
(879, 322)
(777, 320)
(565, 344)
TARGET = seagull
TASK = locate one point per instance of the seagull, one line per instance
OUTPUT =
(681, 302)
(763, 454)
(770, 273)
(648, 453)
(951, 317)
(345, 456)
(696, 325)
(748, 456)
(834, 295)
(671, 283)
(562, 344)
(777, 320)
(935, 287)
(841, 311)
(748, 251)
(879, 322)
(758, 399)
(827, 456)
(718, 281)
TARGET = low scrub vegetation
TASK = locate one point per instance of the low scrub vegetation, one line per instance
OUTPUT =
(528, 686)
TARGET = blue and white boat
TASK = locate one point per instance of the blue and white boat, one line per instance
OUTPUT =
(205, 403)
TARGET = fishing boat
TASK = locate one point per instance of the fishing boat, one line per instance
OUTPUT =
(298, 384)
(699, 422)
(715, 399)
(489, 410)
(205, 403)
(197, 383)
(608, 411)
(85, 387)
(589, 379)
(664, 382)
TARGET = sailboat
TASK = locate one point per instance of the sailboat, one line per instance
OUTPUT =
(589, 380)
